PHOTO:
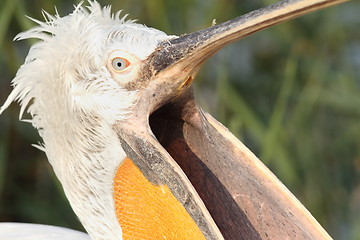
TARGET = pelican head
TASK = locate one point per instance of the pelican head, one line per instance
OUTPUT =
(136, 156)
(77, 83)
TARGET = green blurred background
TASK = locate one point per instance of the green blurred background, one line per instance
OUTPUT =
(291, 93)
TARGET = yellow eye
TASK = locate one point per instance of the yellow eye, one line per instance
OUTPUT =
(120, 64)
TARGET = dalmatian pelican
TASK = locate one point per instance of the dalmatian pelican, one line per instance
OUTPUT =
(136, 156)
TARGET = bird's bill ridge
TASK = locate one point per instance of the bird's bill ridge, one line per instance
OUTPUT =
(190, 50)
(227, 192)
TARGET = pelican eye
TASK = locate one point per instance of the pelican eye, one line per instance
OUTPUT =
(119, 64)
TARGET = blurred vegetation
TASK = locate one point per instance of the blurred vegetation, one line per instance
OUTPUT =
(291, 93)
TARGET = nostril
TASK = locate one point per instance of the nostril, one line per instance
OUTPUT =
(187, 82)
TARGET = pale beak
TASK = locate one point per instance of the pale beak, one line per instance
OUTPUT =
(190, 50)
(245, 200)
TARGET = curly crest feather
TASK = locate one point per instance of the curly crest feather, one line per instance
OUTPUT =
(73, 99)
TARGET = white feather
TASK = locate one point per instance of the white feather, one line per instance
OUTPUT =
(27, 231)
(74, 101)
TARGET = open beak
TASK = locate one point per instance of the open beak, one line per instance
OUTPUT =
(224, 187)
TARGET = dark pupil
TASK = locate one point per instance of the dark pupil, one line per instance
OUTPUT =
(119, 64)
